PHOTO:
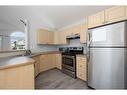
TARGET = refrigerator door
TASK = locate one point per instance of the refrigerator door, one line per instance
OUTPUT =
(106, 68)
(114, 35)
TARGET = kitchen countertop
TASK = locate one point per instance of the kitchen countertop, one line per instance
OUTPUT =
(9, 62)
(41, 53)
(14, 61)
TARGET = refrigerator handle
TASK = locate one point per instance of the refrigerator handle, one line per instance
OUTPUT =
(89, 40)
(88, 46)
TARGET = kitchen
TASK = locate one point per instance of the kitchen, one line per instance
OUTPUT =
(68, 56)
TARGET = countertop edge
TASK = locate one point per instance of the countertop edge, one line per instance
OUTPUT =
(31, 61)
(42, 53)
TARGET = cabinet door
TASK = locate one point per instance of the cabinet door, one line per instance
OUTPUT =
(63, 39)
(58, 61)
(42, 36)
(56, 38)
(77, 29)
(51, 61)
(96, 19)
(50, 37)
(73, 30)
(47, 62)
(37, 67)
(115, 14)
(83, 33)
(43, 63)
(69, 31)
(81, 68)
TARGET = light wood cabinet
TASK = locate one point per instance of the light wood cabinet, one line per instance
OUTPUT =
(115, 14)
(20, 77)
(81, 67)
(56, 38)
(42, 36)
(77, 29)
(62, 36)
(58, 61)
(83, 33)
(73, 30)
(50, 38)
(46, 37)
(43, 63)
(110, 15)
(96, 19)
(46, 62)
(69, 31)
(50, 61)
(37, 65)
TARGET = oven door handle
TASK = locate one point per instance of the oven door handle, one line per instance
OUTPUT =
(68, 56)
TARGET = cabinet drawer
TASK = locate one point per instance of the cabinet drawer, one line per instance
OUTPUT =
(81, 58)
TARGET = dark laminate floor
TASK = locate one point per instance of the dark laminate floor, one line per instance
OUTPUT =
(55, 79)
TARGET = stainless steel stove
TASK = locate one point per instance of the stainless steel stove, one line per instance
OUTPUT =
(69, 59)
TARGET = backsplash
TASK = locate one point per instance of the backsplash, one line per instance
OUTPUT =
(43, 48)
(74, 43)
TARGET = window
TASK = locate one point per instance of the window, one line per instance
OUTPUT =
(18, 40)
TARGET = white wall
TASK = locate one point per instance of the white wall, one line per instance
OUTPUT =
(10, 21)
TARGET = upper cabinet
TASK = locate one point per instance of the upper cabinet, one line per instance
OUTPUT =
(107, 16)
(73, 30)
(62, 37)
(96, 19)
(50, 38)
(115, 14)
(56, 38)
(44, 37)
(83, 33)
(77, 29)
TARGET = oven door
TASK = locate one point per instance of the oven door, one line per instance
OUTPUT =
(69, 62)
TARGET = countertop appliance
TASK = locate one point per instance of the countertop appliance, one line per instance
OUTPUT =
(107, 68)
(69, 59)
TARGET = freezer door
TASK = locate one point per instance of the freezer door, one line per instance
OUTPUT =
(109, 36)
(106, 68)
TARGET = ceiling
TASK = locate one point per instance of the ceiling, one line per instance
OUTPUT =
(54, 17)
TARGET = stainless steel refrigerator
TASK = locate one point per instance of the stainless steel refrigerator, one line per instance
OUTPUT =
(107, 67)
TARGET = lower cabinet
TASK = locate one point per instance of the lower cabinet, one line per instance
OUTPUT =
(50, 61)
(46, 62)
(58, 61)
(37, 65)
(81, 67)
(18, 77)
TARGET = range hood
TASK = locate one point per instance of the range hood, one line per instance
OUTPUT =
(73, 36)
